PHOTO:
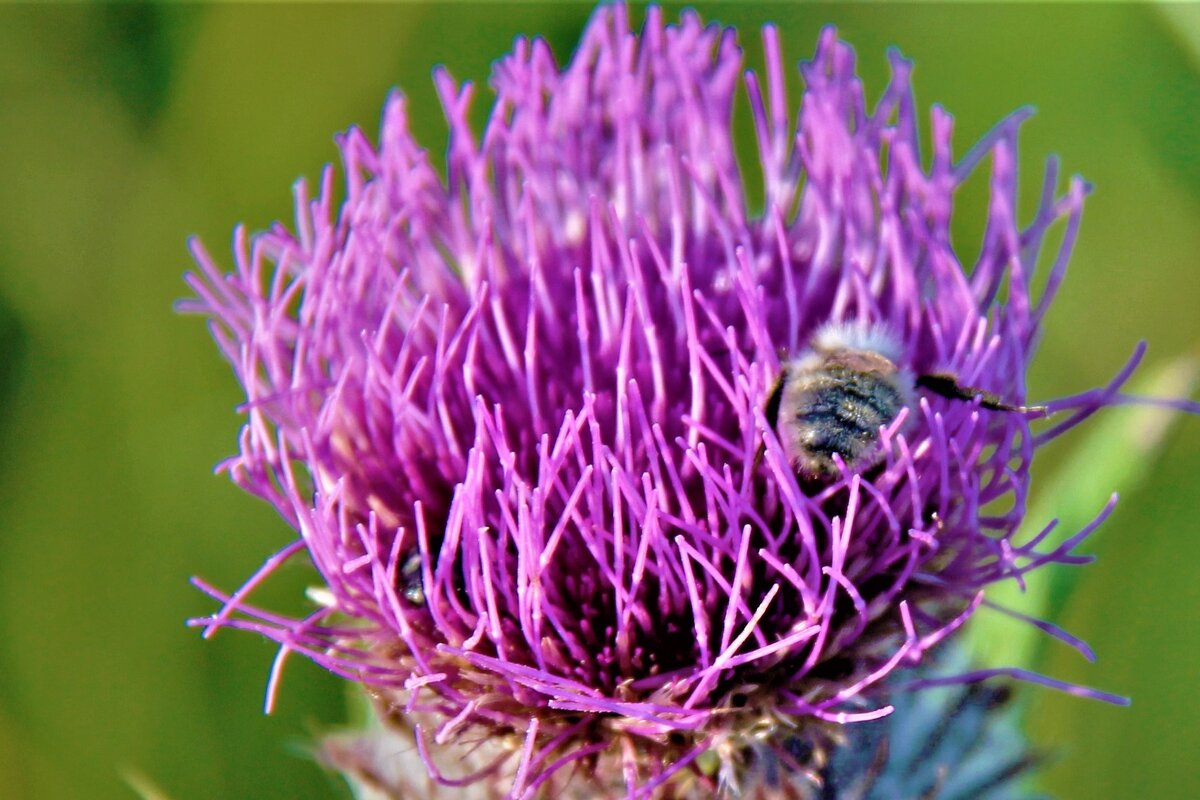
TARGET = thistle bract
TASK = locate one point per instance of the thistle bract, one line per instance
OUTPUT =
(953, 743)
(515, 412)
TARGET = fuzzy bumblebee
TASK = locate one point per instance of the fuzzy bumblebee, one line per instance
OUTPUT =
(831, 402)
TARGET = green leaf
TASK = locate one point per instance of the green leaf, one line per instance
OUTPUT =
(1118, 447)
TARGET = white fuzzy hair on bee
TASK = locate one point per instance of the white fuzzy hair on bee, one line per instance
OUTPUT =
(872, 337)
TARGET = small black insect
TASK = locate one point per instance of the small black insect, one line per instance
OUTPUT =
(411, 582)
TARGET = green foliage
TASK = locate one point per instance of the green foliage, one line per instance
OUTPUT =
(1116, 453)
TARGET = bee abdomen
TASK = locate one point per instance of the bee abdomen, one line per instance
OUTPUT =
(847, 429)
(837, 412)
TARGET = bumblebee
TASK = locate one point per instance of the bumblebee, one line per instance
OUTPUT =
(833, 399)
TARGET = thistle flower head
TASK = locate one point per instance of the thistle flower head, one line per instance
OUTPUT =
(520, 414)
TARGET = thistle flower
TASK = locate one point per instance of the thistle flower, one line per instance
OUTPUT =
(520, 416)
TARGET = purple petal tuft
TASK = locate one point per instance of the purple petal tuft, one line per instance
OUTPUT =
(517, 413)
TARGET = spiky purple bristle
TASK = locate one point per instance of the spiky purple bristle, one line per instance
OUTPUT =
(544, 377)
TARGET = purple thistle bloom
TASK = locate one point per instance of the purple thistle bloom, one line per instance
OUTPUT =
(519, 415)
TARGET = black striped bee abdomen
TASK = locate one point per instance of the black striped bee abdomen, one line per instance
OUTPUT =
(832, 402)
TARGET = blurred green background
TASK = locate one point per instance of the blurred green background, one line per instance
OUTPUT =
(124, 128)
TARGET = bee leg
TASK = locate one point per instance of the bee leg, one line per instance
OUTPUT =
(771, 410)
(948, 386)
